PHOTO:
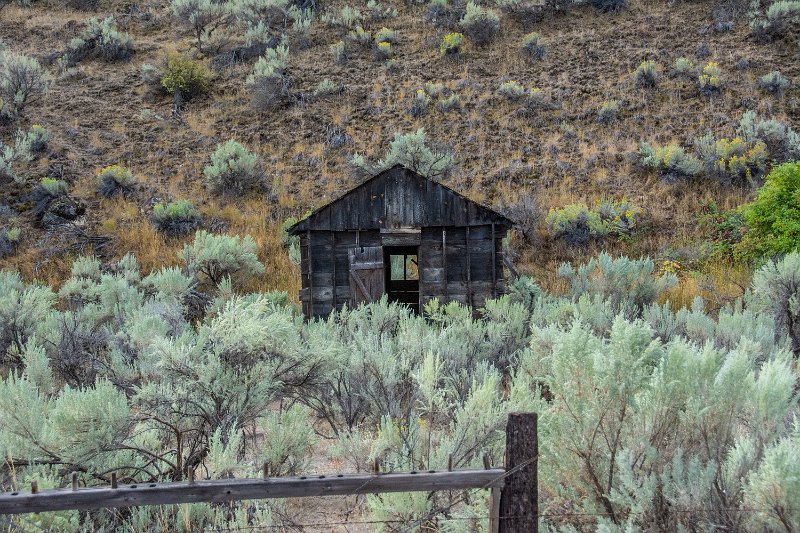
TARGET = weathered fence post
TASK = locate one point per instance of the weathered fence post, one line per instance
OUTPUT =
(519, 499)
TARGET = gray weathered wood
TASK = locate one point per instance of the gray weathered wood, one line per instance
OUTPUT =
(224, 490)
(367, 281)
(519, 501)
(398, 198)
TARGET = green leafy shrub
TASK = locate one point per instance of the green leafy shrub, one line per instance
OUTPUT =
(774, 83)
(100, 38)
(213, 258)
(269, 82)
(576, 224)
(607, 111)
(185, 77)
(773, 218)
(480, 24)
(115, 179)
(645, 74)
(710, 79)
(22, 82)
(452, 44)
(234, 170)
(175, 218)
(671, 161)
(533, 47)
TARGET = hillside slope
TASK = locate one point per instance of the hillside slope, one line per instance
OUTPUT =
(102, 113)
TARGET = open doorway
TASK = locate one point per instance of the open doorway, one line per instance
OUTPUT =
(402, 275)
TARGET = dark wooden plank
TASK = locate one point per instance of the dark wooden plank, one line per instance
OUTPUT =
(494, 265)
(310, 271)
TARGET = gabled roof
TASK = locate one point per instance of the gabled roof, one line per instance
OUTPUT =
(398, 198)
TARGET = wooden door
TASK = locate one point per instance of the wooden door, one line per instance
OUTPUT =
(367, 282)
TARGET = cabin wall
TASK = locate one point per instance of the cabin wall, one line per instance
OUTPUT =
(325, 269)
(463, 273)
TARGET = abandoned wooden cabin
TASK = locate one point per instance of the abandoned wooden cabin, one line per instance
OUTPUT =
(402, 235)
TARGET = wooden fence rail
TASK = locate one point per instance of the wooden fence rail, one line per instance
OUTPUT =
(223, 490)
(514, 489)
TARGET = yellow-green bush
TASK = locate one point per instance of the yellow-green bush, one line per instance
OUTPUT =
(452, 44)
(184, 76)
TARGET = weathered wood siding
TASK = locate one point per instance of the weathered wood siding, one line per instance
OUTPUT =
(456, 274)
(328, 262)
(453, 275)
(398, 198)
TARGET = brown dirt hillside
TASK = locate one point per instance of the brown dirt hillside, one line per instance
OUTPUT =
(102, 113)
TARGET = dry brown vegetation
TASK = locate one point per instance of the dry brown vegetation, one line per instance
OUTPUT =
(102, 113)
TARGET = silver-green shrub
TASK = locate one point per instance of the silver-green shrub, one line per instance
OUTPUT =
(645, 75)
(776, 293)
(774, 83)
(781, 140)
(629, 285)
(480, 24)
(679, 417)
(269, 82)
(206, 19)
(100, 38)
(671, 161)
(22, 82)
(175, 218)
(234, 170)
(533, 47)
(212, 258)
(412, 150)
